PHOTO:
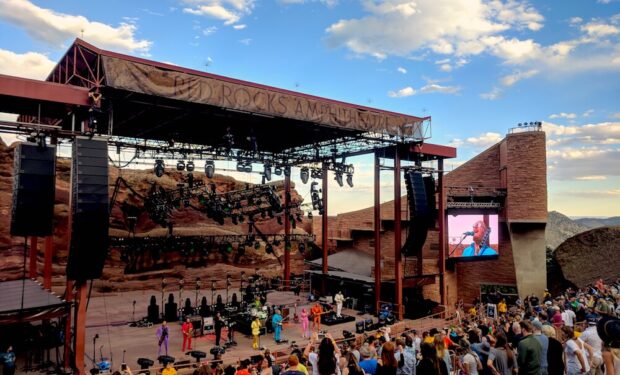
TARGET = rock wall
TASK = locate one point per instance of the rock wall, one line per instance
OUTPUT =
(591, 255)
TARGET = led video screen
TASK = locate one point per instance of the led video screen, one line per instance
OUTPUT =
(472, 236)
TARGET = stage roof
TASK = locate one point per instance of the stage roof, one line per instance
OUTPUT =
(352, 261)
(154, 100)
(26, 300)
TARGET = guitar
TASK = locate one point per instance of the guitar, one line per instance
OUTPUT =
(164, 334)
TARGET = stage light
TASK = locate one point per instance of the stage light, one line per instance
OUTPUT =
(276, 242)
(301, 247)
(269, 249)
(277, 170)
(256, 245)
(287, 171)
(180, 165)
(287, 246)
(159, 168)
(304, 175)
(338, 179)
(248, 167)
(190, 166)
(241, 250)
(240, 166)
(350, 179)
(267, 172)
(209, 168)
(309, 214)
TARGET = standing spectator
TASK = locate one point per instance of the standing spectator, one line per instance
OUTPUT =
(388, 364)
(555, 352)
(501, 359)
(405, 354)
(293, 363)
(544, 344)
(470, 363)
(569, 317)
(352, 367)
(368, 363)
(577, 353)
(325, 362)
(529, 351)
(556, 318)
(430, 364)
(169, 369)
(590, 336)
(442, 352)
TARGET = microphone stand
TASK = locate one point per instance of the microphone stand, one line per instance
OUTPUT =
(457, 246)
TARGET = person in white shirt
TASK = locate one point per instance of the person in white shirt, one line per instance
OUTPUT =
(339, 299)
(569, 317)
(590, 336)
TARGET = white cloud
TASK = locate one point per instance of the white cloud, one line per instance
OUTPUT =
(407, 91)
(57, 28)
(246, 41)
(494, 94)
(599, 29)
(402, 70)
(565, 115)
(433, 87)
(591, 178)
(484, 140)
(587, 113)
(575, 20)
(603, 1)
(28, 65)
(239, 27)
(517, 76)
(616, 115)
(229, 11)
(328, 3)
(209, 30)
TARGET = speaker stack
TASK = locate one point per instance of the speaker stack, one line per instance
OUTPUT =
(90, 209)
(420, 194)
(34, 187)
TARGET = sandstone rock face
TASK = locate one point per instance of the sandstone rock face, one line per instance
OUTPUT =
(187, 221)
(588, 256)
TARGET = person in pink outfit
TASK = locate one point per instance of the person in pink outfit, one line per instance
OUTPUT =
(305, 333)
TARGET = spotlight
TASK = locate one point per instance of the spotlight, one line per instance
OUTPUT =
(190, 166)
(248, 167)
(209, 168)
(304, 175)
(338, 179)
(301, 247)
(350, 179)
(159, 168)
(180, 165)
(256, 245)
(240, 166)
(277, 170)
(287, 171)
(309, 214)
(276, 242)
(267, 172)
(269, 249)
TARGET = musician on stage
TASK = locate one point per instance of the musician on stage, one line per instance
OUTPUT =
(188, 330)
(276, 320)
(218, 324)
(339, 299)
(162, 337)
(255, 332)
(316, 312)
(305, 333)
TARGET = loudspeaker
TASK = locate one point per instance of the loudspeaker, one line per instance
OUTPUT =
(420, 214)
(90, 209)
(34, 188)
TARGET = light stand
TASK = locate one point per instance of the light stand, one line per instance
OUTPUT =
(228, 284)
(94, 352)
(213, 293)
(133, 313)
(241, 285)
(181, 286)
(198, 284)
(163, 286)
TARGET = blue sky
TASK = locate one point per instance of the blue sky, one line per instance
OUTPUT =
(477, 67)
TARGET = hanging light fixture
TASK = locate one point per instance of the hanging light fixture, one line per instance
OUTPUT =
(180, 165)
(267, 172)
(304, 174)
(159, 168)
(338, 179)
(190, 166)
(209, 168)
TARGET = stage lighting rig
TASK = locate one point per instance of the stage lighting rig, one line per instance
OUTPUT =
(338, 178)
(190, 166)
(304, 175)
(209, 168)
(180, 165)
(350, 171)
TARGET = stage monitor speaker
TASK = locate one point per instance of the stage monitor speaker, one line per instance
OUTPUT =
(419, 212)
(90, 209)
(34, 187)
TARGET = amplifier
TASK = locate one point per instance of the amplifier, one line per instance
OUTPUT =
(198, 324)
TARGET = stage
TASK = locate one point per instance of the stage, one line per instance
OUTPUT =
(109, 315)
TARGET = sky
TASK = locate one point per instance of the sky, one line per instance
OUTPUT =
(477, 67)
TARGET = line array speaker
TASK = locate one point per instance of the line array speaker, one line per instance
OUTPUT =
(90, 209)
(34, 188)
(420, 214)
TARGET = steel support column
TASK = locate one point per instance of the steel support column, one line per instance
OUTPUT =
(377, 188)
(398, 272)
(324, 222)
(287, 229)
(441, 218)
(47, 265)
(32, 269)
(80, 329)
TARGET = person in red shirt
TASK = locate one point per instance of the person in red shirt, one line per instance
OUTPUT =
(557, 320)
(187, 329)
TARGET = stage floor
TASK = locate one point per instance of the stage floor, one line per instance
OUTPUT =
(108, 316)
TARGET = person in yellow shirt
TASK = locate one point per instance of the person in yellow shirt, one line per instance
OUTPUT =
(472, 311)
(502, 308)
(255, 332)
(169, 370)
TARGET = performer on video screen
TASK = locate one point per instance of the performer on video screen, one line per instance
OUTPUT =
(480, 243)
